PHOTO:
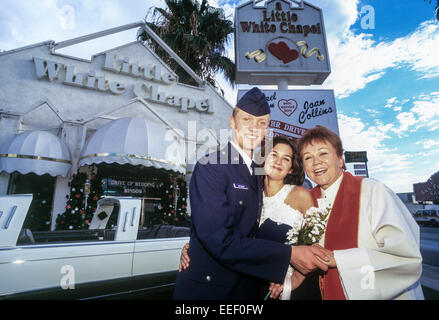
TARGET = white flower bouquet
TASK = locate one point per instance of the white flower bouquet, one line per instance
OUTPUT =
(311, 229)
(306, 231)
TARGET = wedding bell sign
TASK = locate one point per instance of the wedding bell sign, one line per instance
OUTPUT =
(280, 39)
(293, 112)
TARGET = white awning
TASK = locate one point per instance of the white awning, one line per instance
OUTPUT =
(137, 142)
(38, 152)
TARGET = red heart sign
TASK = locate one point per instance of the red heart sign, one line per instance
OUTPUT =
(288, 107)
(283, 52)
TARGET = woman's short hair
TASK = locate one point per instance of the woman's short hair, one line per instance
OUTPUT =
(321, 134)
(297, 176)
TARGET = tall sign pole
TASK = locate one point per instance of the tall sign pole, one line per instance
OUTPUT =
(283, 43)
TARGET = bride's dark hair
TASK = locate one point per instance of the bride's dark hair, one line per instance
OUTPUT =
(297, 176)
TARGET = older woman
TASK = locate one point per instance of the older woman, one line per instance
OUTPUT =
(370, 234)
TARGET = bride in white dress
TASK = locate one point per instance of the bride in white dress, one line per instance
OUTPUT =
(284, 205)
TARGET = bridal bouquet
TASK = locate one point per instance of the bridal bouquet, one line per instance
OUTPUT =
(306, 232)
(312, 228)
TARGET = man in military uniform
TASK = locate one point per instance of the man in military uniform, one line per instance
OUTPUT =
(226, 202)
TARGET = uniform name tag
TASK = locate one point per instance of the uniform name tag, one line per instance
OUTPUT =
(240, 186)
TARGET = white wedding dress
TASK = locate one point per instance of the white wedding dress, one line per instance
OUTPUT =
(276, 219)
(277, 210)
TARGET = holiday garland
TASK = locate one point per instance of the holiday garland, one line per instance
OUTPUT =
(78, 216)
(173, 205)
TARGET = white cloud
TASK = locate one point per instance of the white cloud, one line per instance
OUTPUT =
(25, 22)
(399, 171)
(392, 100)
(427, 109)
(423, 114)
(338, 15)
(430, 153)
(406, 120)
(428, 144)
(395, 104)
(358, 60)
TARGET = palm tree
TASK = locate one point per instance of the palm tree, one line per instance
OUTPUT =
(198, 33)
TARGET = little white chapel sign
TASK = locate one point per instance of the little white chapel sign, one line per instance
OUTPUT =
(280, 40)
(150, 76)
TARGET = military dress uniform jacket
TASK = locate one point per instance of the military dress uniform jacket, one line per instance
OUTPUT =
(226, 258)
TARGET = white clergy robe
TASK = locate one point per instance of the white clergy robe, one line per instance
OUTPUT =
(387, 263)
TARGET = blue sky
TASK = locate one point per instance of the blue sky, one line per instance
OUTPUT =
(386, 79)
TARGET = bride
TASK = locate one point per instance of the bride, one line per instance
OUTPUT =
(285, 204)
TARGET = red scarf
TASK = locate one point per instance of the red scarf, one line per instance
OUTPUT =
(341, 230)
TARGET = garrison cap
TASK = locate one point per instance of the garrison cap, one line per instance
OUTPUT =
(254, 102)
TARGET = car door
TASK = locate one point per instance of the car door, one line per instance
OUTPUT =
(74, 269)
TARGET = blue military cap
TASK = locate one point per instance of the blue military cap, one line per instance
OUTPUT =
(254, 102)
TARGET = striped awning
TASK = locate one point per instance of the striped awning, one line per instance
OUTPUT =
(38, 152)
(135, 141)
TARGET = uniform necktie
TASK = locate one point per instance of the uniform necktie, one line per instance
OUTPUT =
(254, 175)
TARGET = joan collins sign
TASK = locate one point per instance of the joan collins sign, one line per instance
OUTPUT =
(280, 40)
(293, 112)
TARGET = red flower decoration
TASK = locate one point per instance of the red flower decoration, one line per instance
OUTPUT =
(77, 196)
(95, 198)
(176, 219)
(183, 206)
(87, 222)
(69, 207)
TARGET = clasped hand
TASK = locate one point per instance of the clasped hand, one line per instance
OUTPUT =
(307, 259)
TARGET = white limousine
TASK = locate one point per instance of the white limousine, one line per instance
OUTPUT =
(98, 263)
